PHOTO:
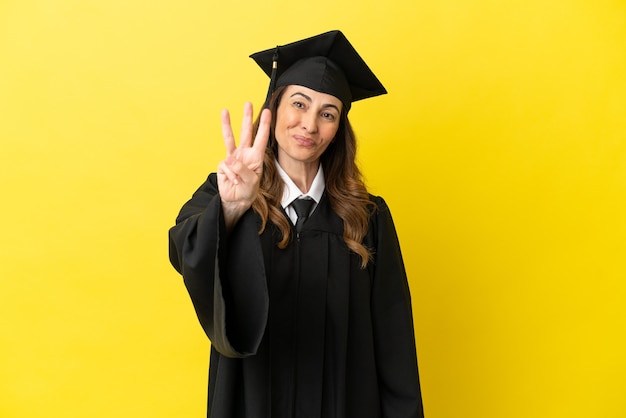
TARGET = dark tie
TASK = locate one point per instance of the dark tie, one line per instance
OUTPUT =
(302, 208)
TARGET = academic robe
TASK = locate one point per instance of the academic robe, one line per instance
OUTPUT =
(300, 332)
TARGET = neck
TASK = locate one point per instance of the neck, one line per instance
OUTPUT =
(301, 173)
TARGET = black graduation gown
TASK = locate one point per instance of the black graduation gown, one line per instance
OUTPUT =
(301, 332)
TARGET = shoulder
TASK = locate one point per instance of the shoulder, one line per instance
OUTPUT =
(211, 180)
(379, 205)
(200, 199)
(209, 186)
(380, 216)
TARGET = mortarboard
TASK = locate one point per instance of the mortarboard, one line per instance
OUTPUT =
(327, 63)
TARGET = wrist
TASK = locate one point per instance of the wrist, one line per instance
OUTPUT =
(232, 211)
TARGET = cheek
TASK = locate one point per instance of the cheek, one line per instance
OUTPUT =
(283, 124)
(285, 120)
(330, 132)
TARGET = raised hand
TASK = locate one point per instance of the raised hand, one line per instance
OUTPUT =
(239, 174)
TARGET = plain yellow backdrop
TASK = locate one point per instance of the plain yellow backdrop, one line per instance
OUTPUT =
(500, 148)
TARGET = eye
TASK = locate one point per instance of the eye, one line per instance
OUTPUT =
(299, 104)
(329, 116)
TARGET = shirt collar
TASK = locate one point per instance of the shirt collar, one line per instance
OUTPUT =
(292, 192)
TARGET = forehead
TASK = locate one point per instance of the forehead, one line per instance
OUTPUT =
(314, 95)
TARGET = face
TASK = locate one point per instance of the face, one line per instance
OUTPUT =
(306, 123)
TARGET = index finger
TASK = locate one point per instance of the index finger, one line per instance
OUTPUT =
(245, 137)
(227, 133)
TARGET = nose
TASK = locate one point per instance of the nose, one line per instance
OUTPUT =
(309, 122)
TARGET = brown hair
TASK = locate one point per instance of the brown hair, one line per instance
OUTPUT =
(345, 188)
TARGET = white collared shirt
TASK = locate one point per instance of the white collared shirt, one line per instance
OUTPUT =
(292, 192)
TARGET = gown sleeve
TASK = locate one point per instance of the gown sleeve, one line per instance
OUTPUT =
(224, 274)
(394, 338)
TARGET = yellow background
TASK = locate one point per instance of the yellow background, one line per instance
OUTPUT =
(501, 149)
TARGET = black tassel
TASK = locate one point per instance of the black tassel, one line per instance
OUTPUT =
(272, 79)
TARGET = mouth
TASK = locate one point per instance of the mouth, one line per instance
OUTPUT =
(304, 141)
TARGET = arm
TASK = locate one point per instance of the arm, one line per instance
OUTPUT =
(215, 244)
(396, 359)
(223, 272)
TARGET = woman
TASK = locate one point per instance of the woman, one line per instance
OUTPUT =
(294, 270)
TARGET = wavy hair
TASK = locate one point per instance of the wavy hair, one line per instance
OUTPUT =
(345, 188)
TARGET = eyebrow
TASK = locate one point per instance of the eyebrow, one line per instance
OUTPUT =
(324, 106)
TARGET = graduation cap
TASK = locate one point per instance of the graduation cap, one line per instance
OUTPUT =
(326, 63)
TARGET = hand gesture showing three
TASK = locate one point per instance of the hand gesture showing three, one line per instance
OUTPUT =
(239, 174)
